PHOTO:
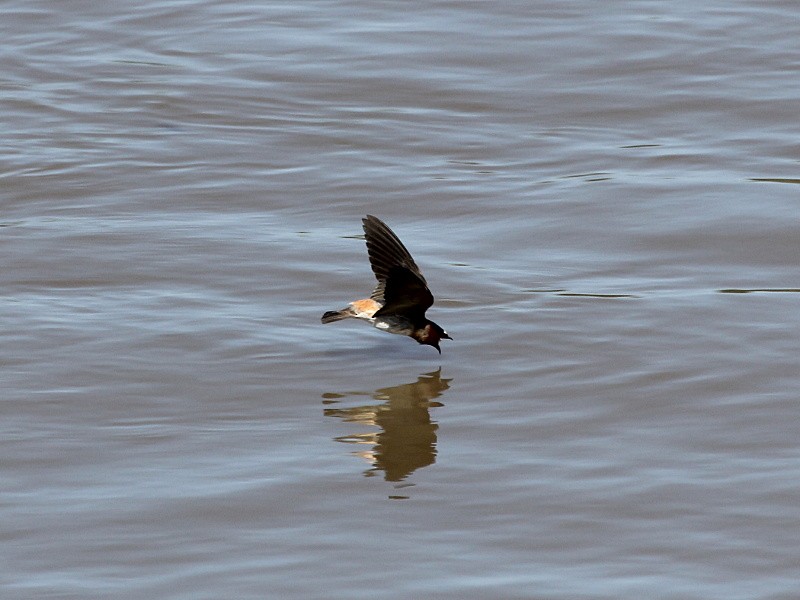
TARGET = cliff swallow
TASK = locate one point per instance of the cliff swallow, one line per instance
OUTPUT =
(401, 297)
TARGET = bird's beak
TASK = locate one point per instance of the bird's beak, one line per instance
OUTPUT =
(445, 336)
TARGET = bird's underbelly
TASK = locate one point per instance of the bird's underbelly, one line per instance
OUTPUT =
(393, 324)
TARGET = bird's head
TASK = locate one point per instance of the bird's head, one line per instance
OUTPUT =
(430, 334)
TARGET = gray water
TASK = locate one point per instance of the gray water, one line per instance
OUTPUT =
(603, 198)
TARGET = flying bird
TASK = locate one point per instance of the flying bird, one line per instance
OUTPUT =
(401, 297)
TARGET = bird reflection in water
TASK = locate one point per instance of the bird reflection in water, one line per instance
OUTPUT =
(407, 437)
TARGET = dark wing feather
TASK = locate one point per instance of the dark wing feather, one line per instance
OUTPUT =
(386, 251)
(406, 294)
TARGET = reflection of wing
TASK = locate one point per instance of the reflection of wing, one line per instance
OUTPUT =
(406, 443)
(386, 252)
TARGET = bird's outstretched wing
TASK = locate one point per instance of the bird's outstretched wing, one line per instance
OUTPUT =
(405, 294)
(401, 287)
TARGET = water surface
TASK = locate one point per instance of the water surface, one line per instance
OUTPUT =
(603, 198)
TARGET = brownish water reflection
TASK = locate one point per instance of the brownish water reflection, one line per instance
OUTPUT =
(407, 437)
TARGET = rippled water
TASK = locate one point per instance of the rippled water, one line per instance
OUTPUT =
(603, 198)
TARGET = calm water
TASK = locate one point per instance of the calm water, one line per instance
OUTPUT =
(604, 198)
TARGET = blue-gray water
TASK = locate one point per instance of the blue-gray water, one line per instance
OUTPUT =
(603, 197)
